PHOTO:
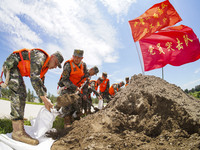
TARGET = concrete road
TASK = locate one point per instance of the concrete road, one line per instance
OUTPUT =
(31, 111)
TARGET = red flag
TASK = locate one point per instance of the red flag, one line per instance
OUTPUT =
(173, 45)
(155, 18)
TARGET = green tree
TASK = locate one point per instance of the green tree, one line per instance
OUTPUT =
(95, 100)
(32, 97)
(29, 95)
(186, 91)
(197, 88)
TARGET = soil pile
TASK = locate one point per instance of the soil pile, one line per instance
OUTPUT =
(149, 113)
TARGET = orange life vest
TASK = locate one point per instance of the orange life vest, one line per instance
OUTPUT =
(103, 85)
(76, 73)
(126, 84)
(25, 65)
(112, 91)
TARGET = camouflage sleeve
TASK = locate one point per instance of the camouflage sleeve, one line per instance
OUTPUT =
(85, 88)
(94, 91)
(37, 61)
(65, 77)
(11, 61)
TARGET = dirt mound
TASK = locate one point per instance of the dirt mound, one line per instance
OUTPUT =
(149, 113)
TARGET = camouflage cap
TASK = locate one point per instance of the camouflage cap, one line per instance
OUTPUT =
(122, 83)
(59, 57)
(100, 79)
(104, 74)
(78, 52)
(127, 78)
(96, 70)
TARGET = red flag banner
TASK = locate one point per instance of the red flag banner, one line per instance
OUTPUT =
(173, 45)
(155, 18)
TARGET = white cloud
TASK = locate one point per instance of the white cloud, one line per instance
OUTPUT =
(118, 7)
(61, 25)
(11, 24)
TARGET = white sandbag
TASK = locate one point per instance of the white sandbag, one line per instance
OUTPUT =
(43, 122)
(7, 143)
(39, 126)
(3, 146)
(100, 104)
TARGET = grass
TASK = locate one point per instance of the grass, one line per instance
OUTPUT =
(6, 124)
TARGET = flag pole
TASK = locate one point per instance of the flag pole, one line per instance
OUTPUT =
(139, 59)
(162, 73)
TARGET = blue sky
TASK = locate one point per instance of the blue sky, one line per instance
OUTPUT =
(99, 27)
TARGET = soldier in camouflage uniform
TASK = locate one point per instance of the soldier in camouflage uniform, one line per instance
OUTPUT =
(73, 76)
(93, 88)
(33, 63)
(104, 87)
(116, 87)
(127, 81)
(86, 103)
(64, 101)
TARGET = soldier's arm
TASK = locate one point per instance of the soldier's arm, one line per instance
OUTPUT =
(94, 91)
(11, 61)
(85, 88)
(37, 61)
(65, 77)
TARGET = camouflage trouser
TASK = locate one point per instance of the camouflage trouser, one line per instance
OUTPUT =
(106, 97)
(18, 94)
(70, 109)
(85, 105)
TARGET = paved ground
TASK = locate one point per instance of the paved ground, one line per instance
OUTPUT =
(31, 111)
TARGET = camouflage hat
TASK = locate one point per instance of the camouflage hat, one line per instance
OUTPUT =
(127, 78)
(104, 74)
(122, 83)
(59, 57)
(100, 79)
(96, 70)
(78, 52)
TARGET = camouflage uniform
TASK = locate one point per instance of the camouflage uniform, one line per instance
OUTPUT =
(115, 87)
(91, 89)
(71, 88)
(105, 95)
(16, 82)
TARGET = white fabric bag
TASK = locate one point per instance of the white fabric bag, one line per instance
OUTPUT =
(43, 122)
(100, 104)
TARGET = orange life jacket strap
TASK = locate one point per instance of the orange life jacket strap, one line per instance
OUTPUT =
(1, 77)
(1, 74)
